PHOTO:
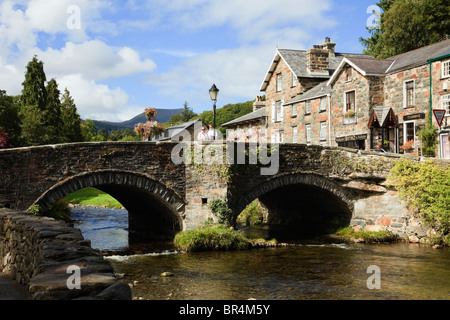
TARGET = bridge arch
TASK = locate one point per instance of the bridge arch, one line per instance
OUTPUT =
(301, 202)
(152, 207)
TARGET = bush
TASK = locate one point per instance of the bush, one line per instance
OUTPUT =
(426, 189)
(220, 209)
(428, 137)
(211, 237)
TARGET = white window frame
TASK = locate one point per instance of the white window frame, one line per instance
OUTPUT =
(294, 82)
(445, 66)
(323, 131)
(294, 110)
(308, 130)
(294, 134)
(279, 82)
(405, 97)
(308, 107)
(445, 102)
(405, 125)
(345, 100)
(323, 104)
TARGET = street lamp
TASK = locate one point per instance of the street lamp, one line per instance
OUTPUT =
(214, 93)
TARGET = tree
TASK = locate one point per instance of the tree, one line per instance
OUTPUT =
(34, 102)
(89, 130)
(187, 114)
(9, 117)
(53, 119)
(34, 91)
(406, 25)
(4, 140)
(71, 122)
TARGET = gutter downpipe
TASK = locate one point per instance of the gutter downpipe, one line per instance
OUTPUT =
(430, 61)
(329, 119)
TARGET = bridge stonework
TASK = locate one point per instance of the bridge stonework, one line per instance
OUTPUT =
(312, 183)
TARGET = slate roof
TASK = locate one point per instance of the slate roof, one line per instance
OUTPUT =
(248, 117)
(419, 56)
(318, 91)
(297, 62)
(404, 61)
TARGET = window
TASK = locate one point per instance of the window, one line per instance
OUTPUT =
(308, 133)
(446, 104)
(410, 131)
(294, 82)
(323, 131)
(294, 110)
(294, 135)
(308, 107)
(279, 82)
(348, 74)
(446, 69)
(408, 93)
(350, 101)
(279, 108)
(323, 104)
(278, 136)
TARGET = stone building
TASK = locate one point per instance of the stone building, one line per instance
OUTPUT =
(381, 104)
(291, 74)
(319, 96)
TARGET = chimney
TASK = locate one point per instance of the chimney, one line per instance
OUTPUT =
(317, 60)
(330, 46)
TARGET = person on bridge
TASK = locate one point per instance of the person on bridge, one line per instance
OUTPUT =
(202, 136)
(212, 133)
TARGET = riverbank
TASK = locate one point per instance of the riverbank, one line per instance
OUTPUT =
(93, 197)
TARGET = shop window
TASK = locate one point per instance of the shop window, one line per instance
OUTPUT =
(410, 131)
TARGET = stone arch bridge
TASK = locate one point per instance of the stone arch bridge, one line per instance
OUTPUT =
(313, 187)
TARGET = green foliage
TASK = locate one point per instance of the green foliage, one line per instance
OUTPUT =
(349, 234)
(34, 210)
(426, 189)
(211, 237)
(187, 113)
(407, 25)
(59, 210)
(9, 117)
(428, 138)
(71, 122)
(221, 210)
(34, 91)
(227, 113)
(252, 214)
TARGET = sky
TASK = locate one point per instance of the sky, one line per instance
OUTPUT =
(119, 57)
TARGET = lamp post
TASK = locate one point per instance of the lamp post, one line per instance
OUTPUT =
(214, 93)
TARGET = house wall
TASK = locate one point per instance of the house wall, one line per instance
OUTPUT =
(287, 93)
(314, 119)
(365, 99)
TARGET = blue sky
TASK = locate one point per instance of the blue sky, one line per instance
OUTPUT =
(119, 57)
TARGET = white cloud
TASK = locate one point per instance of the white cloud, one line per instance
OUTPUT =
(95, 60)
(94, 100)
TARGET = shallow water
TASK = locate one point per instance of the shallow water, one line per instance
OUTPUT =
(304, 272)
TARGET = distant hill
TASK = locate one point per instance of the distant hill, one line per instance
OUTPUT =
(162, 116)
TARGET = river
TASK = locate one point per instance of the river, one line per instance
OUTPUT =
(310, 271)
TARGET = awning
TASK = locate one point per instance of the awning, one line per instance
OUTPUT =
(383, 117)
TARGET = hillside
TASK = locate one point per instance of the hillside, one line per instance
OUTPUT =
(163, 116)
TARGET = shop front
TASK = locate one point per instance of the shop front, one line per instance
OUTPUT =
(383, 125)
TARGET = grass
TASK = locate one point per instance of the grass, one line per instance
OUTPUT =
(350, 235)
(93, 197)
(211, 237)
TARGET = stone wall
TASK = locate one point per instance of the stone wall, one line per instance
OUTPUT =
(37, 251)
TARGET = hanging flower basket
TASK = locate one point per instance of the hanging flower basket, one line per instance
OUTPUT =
(150, 113)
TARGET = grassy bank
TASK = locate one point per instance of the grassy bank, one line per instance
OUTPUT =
(93, 197)
(350, 235)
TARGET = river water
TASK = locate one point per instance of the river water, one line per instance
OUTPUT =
(310, 271)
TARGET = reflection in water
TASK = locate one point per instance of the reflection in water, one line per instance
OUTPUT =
(310, 272)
